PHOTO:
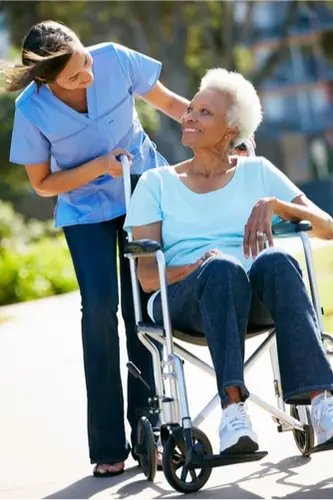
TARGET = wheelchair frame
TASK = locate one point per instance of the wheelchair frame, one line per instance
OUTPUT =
(172, 404)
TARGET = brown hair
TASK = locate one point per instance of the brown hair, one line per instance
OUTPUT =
(46, 50)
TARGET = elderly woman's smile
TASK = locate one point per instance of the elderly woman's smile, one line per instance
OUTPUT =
(187, 130)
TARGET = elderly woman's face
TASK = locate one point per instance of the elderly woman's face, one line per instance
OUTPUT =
(204, 123)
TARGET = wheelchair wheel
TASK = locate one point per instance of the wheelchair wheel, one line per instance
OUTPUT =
(146, 448)
(180, 477)
(304, 439)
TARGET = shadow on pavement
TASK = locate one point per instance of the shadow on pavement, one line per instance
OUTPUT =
(89, 486)
(226, 491)
(317, 491)
(285, 468)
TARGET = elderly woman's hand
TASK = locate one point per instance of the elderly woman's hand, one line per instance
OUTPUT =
(258, 226)
(211, 253)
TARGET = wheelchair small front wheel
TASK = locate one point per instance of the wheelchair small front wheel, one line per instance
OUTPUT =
(146, 448)
(304, 439)
(177, 474)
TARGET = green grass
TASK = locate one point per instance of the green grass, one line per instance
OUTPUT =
(323, 260)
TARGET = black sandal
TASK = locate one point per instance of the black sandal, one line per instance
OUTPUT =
(107, 473)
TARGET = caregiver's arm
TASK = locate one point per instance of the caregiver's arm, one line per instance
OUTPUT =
(301, 208)
(147, 266)
(166, 101)
(47, 183)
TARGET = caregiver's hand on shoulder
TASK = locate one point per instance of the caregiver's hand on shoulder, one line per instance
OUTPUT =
(114, 167)
(259, 226)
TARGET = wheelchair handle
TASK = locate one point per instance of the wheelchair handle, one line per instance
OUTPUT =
(127, 179)
(249, 147)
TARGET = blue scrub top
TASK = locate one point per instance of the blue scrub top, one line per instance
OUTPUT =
(44, 126)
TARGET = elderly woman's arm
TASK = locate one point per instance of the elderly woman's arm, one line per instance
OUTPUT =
(147, 266)
(300, 208)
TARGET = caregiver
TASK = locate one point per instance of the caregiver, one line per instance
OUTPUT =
(75, 115)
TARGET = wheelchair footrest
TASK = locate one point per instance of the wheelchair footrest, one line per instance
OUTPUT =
(323, 447)
(202, 461)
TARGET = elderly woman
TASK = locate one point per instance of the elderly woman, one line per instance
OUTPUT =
(213, 214)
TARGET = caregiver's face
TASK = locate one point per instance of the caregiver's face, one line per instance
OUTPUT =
(77, 73)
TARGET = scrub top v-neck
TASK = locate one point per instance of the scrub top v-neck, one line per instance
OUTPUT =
(91, 104)
(45, 126)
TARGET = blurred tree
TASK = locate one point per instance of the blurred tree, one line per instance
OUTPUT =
(188, 37)
(12, 180)
(21, 15)
(327, 35)
(277, 56)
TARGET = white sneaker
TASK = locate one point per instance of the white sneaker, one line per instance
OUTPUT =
(322, 417)
(236, 433)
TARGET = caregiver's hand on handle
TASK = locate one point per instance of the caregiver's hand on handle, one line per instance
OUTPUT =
(47, 183)
(259, 226)
(114, 162)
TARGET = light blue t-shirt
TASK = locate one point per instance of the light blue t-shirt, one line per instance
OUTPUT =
(192, 223)
(44, 126)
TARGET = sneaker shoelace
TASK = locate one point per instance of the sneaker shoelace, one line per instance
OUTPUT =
(237, 417)
(325, 404)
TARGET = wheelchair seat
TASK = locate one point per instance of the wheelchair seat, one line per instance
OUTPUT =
(260, 321)
(199, 339)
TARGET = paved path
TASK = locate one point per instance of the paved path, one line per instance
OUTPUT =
(43, 451)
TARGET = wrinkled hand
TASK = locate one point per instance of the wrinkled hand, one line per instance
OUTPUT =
(260, 221)
(114, 165)
(178, 273)
(207, 255)
(210, 254)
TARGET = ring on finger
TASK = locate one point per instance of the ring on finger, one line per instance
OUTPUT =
(260, 234)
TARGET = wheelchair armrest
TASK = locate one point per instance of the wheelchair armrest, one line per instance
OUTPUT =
(140, 248)
(287, 228)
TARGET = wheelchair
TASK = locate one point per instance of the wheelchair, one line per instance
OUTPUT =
(187, 450)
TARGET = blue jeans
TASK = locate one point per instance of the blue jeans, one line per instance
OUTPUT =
(216, 300)
(93, 249)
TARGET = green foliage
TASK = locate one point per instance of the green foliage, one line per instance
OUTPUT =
(36, 270)
(15, 231)
(327, 44)
(244, 59)
(148, 115)
(21, 15)
(11, 226)
(34, 259)
(13, 179)
(323, 263)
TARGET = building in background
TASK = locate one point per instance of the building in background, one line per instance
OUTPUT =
(297, 132)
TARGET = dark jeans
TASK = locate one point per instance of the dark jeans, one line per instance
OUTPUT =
(216, 299)
(94, 252)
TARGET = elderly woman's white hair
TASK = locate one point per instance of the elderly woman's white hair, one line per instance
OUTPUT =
(245, 111)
